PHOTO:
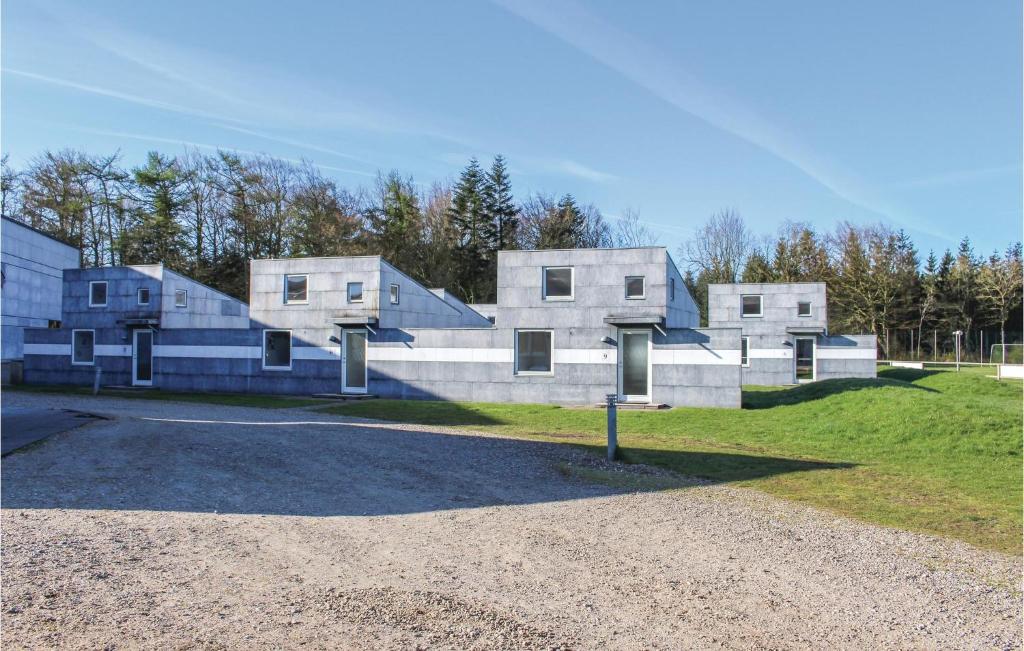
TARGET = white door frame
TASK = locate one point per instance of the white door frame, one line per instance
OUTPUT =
(136, 382)
(621, 362)
(344, 361)
(814, 359)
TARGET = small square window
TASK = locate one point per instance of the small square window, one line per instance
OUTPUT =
(803, 308)
(635, 287)
(277, 349)
(82, 347)
(143, 296)
(98, 293)
(395, 291)
(745, 351)
(180, 298)
(295, 287)
(355, 292)
(558, 283)
(750, 305)
(534, 351)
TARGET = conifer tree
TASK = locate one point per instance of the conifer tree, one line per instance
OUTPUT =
(500, 206)
(473, 231)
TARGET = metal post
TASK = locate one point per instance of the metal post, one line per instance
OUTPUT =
(96, 381)
(613, 434)
(956, 337)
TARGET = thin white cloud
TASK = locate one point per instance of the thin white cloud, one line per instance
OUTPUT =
(643, 65)
(126, 97)
(957, 177)
(581, 171)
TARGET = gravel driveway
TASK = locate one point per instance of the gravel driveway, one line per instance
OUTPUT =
(199, 526)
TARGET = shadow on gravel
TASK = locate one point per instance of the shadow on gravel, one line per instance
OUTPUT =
(318, 468)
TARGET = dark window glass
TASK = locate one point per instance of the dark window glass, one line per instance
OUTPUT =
(355, 292)
(180, 298)
(295, 289)
(751, 305)
(394, 294)
(97, 293)
(558, 282)
(672, 289)
(143, 296)
(634, 286)
(82, 347)
(744, 351)
(277, 349)
(803, 308)
(533, 352)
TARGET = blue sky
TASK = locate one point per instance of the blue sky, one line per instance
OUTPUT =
(906, 112)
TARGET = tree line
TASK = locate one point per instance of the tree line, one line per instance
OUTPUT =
(876, 282)
(207, 215)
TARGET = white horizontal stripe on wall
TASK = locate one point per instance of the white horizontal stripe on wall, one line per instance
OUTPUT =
(209, 352)
(113, 350)
(316, 353)
(585, 356)
(846, 353)
(771, 353)
(47, 349)
(698, 357)
(405, 354)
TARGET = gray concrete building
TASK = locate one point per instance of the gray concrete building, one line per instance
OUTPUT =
(31, 275)
(785, 336)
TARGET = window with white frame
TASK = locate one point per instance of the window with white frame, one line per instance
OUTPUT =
(558, 283)
(803, 308)
(143, 296)
(180, 298)
(395, 293)
(295, 288)
(745, 351)
(98, 293)
(355, 292)
(636, 287)
(277, 349)
(534, 352)
(750, 305)
(83, 348)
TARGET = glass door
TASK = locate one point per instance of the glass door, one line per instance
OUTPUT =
(635, 365)
(142, 358)
(353, 361)
(804, 359)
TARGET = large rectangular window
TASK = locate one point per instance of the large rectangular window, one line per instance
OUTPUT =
(534, 351)
(98, 293)
(83, 347)
(277, 349)
(295, 286)
(745, 351)
(180, 298)
(558, 283)
(750, 305)
(143, 296)
(803, 308)
(395, 293)
(355, 292)
(635, 287)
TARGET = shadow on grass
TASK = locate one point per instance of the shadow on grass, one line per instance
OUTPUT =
(768, 398)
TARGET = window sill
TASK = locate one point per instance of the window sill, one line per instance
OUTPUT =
(83, 363)
(555, 299)
(534, 374)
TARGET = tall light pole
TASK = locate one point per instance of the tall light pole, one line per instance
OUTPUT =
(957, 335)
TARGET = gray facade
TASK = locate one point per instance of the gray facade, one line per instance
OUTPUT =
(33, 264)
(789, 333)
(569, 327)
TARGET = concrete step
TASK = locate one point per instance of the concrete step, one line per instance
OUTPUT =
(345, 396)
(636, 405)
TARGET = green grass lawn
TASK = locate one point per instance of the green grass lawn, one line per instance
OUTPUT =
(930, 451)
(231, 399)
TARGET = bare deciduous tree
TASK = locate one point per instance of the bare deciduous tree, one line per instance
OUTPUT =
(719, 249)
(630, 231)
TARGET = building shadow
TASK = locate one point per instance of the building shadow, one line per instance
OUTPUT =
(777, 397)
(320, 468)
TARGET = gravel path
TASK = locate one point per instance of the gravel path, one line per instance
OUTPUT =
(199, 526)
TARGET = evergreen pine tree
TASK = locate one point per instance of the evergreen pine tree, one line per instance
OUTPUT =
(500, 206)
(473, 245)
